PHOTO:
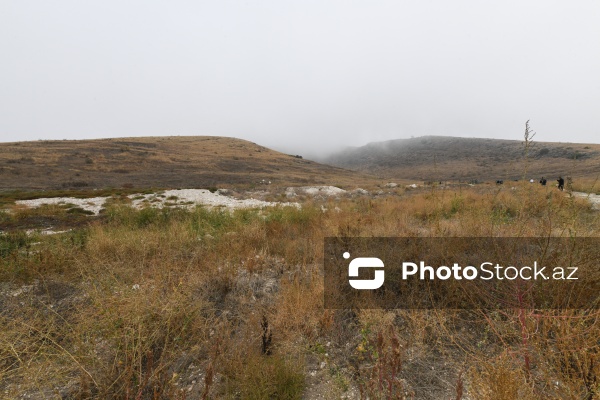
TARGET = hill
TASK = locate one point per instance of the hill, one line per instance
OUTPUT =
(453, 158)
(167, 162)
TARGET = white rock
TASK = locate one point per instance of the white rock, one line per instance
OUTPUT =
(93, 204)
(317, 190)
(190, 196)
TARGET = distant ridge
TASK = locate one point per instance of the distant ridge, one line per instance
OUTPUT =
(166, 162)
(455, 158)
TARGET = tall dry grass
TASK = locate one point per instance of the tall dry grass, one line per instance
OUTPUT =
(215, 304)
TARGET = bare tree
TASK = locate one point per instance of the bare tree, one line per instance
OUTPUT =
(528, 143)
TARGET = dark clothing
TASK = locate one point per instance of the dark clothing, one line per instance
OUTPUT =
(561, 183)
(543, 181)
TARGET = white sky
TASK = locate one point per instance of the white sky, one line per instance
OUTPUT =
(300, 76)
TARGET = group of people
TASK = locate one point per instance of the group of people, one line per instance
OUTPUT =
(543, 181)
(560, 180)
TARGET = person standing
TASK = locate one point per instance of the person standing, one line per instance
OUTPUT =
(561, 183)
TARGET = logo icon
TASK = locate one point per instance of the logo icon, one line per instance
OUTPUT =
(365, 262)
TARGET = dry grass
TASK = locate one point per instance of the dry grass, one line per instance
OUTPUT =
(452, 159)
(171, 304)
(164, 162)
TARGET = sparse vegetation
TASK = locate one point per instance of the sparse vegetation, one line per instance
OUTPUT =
(190, 162)
(178, 303)
(438, 158)
(172, 303)
(10, 196)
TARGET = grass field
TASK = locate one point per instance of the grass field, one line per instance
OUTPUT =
(159, 162)
(198, 304)
(437, 158)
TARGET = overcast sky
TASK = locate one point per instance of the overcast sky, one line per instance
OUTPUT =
(300, 76)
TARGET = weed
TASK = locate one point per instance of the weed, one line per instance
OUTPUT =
(79, 210)
(266, 377)
(11, 242)
(160, 298)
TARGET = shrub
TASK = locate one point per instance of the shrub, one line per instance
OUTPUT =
(263, 377)
(543, 151)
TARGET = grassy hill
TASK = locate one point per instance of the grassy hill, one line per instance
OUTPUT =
(452, 158)
(191, 162)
